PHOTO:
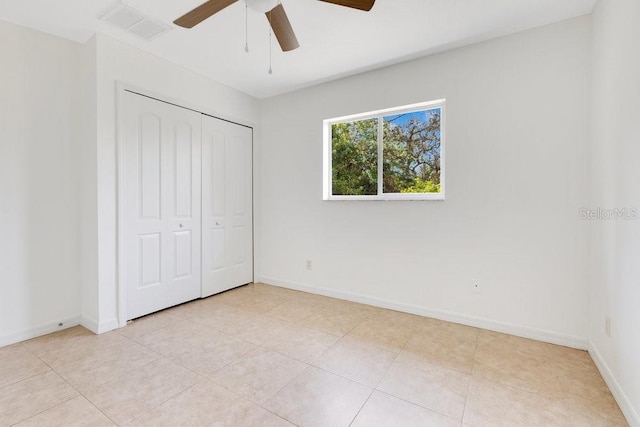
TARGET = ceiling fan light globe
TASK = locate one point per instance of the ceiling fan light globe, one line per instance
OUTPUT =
(262, 6)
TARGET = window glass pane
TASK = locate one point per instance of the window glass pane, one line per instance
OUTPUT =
(411, 159)
(354, 151)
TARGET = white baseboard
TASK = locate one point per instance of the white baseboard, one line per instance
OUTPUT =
(39, 330)
(492, 325)
(626, 407)
(49, 327)
(108, 325)
(89, 324)
(99, 327)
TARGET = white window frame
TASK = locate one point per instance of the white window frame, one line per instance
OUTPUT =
(379, 114)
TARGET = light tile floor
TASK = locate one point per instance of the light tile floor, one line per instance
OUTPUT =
(265, 356)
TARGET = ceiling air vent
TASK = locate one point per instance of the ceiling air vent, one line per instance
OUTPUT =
(134, 22)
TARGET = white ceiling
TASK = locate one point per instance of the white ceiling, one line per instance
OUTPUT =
(334, 41)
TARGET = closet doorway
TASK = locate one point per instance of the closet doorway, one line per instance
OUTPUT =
(186, 205)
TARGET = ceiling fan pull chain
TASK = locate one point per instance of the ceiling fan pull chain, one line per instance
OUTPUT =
(270, 37)
(246, 27)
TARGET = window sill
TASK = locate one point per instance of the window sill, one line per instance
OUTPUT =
(388, 197)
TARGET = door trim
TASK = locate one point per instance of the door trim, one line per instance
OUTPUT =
(121, 89)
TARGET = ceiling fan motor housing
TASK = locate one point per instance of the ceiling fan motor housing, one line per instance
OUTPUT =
(262, 6)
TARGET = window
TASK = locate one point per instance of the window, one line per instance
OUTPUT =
(393, 154)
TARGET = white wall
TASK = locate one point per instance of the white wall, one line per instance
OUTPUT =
(117, 61)
(517, 154)
(39, 195)
(88, 186)
(615, 284)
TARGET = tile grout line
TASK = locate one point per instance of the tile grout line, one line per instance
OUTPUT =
(166, 400)
(417, 404)
(80, 393)
(133, 341)
(259, 404)
(267, 409)
(375, 388)
(289, 382)
(413, 403)
(48, 409)
(161, 357)
(25, 379)
(362, 407)
(466, 397)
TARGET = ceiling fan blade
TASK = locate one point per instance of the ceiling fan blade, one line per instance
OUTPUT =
(365, 5)
(202, 12)
(282, 28)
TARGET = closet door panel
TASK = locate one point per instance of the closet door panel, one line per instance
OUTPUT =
(161, 211)
(241, 217)
(184, 138)
(215, 275)
(227, 216)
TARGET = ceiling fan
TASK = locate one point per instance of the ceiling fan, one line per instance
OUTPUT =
(274, 11)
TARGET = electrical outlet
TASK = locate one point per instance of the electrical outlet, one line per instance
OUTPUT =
(475, 286)
(607, 326)
(309, 265)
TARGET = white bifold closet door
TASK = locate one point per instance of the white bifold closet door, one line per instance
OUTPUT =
(227, 209)
(162, 204)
